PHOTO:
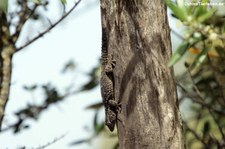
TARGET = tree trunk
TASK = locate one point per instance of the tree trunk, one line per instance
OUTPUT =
(139, 39)
(6, 52)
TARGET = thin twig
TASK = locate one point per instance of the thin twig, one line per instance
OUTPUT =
(175, 33)
(22, 20)
(49, 28)
(216, 78)
(33, 111)
(184, 91)
(195, 134)
(52, 142)
(208, 108)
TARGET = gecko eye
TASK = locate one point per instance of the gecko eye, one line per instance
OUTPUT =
(112, 116)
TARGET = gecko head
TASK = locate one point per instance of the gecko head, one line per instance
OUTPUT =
(110, 120)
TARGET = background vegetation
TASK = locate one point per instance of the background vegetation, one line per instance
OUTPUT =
(200, 56)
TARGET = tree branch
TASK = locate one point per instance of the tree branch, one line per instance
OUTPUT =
(49, 28)
(23, 17)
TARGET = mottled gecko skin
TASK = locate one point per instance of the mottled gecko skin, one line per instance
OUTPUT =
(107, 84)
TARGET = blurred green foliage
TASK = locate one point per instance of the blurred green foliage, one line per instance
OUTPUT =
(203, 82)
(4, 6)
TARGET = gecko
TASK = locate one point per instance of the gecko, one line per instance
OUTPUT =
(107, 84)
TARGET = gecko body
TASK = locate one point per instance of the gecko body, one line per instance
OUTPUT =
(107, 84)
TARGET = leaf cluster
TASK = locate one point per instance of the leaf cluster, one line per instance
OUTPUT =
(202, 32)
(202, 84)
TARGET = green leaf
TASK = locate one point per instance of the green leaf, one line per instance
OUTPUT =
(97, 127)
(95, 106)
(178, 54)
(4, 6)
(36, 1)
(116, 146)
(90, 85)
(223, 29)
(69, 66)
(207, 15)
(80, 142)
(206, 128)
(179, 11)
(30, 88)
(198, 11)
(63, 2)
(220, 51)
(180, 3)
(95, 122)
(200, 58)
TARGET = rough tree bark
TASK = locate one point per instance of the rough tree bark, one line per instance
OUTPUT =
(6, 52)
(139, 39)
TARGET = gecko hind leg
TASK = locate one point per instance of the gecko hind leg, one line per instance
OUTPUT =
(115, 105)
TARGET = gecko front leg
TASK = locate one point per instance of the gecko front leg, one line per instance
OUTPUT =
(110, 65)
